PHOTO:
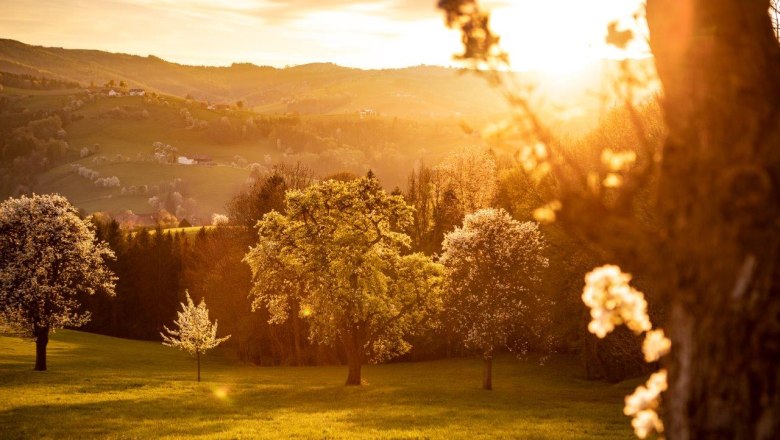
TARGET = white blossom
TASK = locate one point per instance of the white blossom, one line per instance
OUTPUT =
(493, 267)
(194, 332)
(49, 256)
(613, 302)
(644, 402)
(219, 219)
(108, 182)
(655, 345)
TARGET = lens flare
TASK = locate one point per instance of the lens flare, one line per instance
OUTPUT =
(221, 393)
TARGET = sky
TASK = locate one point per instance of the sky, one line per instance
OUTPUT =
(553, 35)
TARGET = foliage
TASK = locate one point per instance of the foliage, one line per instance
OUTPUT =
(335, 258)
(266, 193)
(493, 271)
(465, 181)
(149, 268)
(470, 174)
(50, 256)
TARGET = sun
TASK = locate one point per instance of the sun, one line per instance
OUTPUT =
(562, 36)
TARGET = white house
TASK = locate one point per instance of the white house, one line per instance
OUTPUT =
(367, 112)
(113, 93)
(137, 92)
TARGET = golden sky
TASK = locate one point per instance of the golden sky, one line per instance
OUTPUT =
(556, 35)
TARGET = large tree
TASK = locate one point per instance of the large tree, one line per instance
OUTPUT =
(49, 256)
(493, 271)
(713, 244)
(335, 258)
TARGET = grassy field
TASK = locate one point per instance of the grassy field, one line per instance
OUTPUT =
(102, 387)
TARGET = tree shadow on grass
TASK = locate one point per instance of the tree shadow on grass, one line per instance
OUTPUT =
(197, 410)
(140, 390)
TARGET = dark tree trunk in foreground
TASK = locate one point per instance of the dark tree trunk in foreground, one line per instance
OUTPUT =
(487, 372)
(41, 341)
(719, 201)
(197, 356)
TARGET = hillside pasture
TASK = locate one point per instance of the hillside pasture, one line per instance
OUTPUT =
(210, 186)
(103, 387)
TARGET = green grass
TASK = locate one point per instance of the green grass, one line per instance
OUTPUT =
(102, 387)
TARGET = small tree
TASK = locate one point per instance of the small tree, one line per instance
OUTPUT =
(195, 334)
(49, 256)
(335, 258)
(493, 263)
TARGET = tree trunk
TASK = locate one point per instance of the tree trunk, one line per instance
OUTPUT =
(487, 372)
(353, 378)
(355, 355)
(41, 341)
(719, 201)
(197, 356)
(296, 325)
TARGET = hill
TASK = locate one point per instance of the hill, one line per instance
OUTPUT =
(309, 114)
(115, 137)
(103, 387)
(320, 88)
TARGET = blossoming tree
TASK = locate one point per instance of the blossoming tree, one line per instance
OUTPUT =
(195, 333)
(49, 256)
(493, 264)
(335, 258)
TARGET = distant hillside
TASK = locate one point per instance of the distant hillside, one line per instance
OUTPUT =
(320, 88)
(66, 140)
(59, 134)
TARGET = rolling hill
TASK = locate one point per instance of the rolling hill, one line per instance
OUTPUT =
(417, 115)
(312, 88)
(120, 143)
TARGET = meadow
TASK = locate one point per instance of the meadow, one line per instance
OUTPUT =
(103, 387)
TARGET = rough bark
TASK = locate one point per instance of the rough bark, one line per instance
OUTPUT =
(719, 64)
(41, 341)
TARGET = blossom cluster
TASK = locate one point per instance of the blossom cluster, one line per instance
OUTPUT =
(643, 403)
(612, 301)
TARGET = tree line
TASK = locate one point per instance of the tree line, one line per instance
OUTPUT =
(341, 271)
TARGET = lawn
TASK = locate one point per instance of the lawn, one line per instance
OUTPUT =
(102, 387)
